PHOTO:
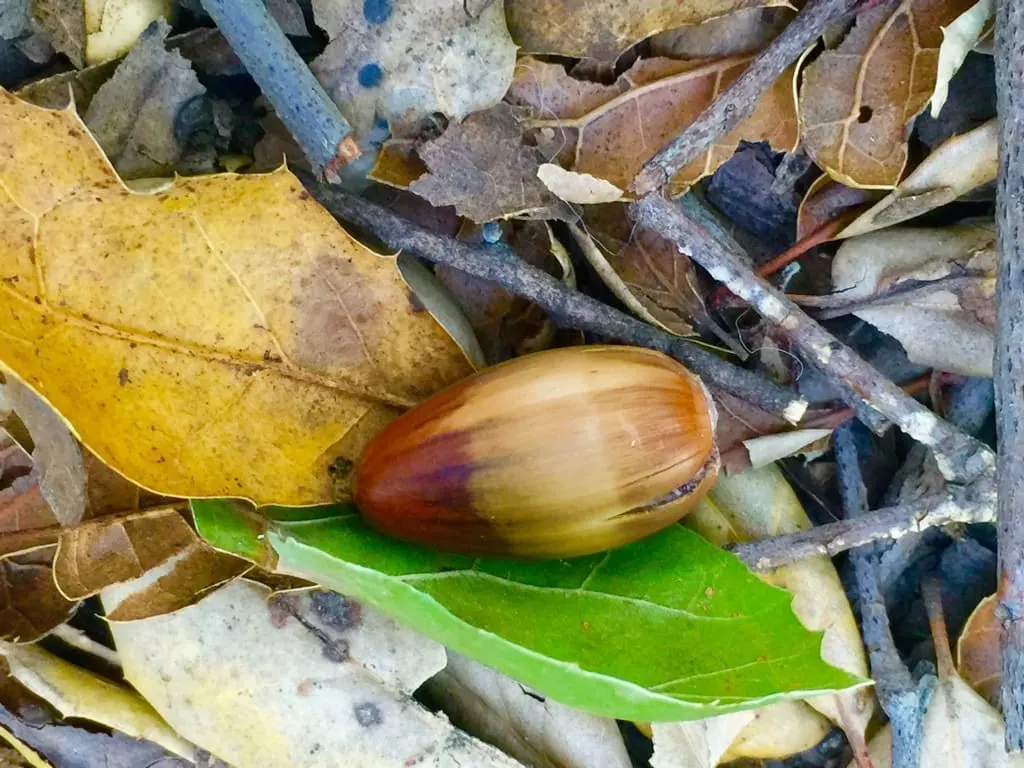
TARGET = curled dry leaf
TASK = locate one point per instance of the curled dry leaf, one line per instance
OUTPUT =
(604, 30)
(760, 503)
(30, 603)
(610, 131)
(76, 692)
(483, 168)
(403, 61)
(106, 551)
(530, 727)
(240, 678)
(826, 201)
(932, 289)
(94, 31)
(979, 659)
(957, 166)
(575, 187)
(957, 41)
(223, 336)
(739, 33)
(857, 99)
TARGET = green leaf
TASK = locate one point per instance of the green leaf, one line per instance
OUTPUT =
(668, 628)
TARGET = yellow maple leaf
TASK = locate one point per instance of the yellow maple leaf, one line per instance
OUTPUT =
(221, 336)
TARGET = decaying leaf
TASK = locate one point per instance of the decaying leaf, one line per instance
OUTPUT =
(767, 449)
(699, 743)
(760, 503)
(181, 567)
(402, 60)
(94, 31)
(30, 604)
(857, 99)
(827, 201)
(740, 33)
(957, 41)
(222, 336)
(240, 678)
(581, 188)
(76, 692)
(932, 289)
(483, 168)
(611, 131)
(604, 30)
(140, 116)
(642, 269)
(979, 659)
(957, 166)
(57, 462)
(530, 727)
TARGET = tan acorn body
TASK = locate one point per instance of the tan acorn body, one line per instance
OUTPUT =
(555, 454)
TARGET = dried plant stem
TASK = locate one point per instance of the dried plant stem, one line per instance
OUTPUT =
(298, 98)
(1009, 362)
(569, 308)
(738, 101)
(900, 696)
(875, 399)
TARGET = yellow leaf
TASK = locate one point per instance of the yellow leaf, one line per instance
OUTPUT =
(222, 336)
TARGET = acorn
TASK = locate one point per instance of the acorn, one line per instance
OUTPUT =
(555, 454)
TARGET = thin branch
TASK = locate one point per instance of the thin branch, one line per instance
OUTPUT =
(898, 693)
(874, 398)
(738, 101)
(974, 503)
(298, 98)
(569, 308)
(1009, 359)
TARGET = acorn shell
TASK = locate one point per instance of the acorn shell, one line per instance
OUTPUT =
(556, 454)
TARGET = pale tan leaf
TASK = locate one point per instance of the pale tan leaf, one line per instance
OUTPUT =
(603, 30)
(403, 61)
(957, 41)
(696, 743)
(778, 731)
(767, 449)
(223, 337)
(611, 131)
(76, 692)
(575, 187)
(957, 166)
(858, 99)
(931, 289)
(538, 731)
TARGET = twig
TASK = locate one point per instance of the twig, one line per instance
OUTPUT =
(898, 693)
(960, 457)
(739, 100)
(974, 503)
(566, 307)
(1009, 360)
(298, 98)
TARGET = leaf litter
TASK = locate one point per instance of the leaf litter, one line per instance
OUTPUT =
(251, 381)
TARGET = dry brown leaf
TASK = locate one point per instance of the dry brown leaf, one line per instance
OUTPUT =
(30, 603)
(483, 168)
(403, 61)
(737, 34)
(979, 659)
(611, 131)
(643, 270)
(932, 289)
(604, 30)
(102, 552)
(857, 100)
(826, 200)
(221, 337)
(957, 166)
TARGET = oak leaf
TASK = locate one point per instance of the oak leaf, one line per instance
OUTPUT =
(604, 30)
(221, 336)
(610, 131)
(858, 99)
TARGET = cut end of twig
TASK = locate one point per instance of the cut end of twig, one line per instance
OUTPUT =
(346, 152)
(650, 179)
